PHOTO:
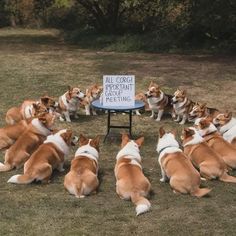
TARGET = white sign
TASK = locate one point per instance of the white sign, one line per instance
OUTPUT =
(118, 90)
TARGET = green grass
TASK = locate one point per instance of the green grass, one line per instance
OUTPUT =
(34, 63)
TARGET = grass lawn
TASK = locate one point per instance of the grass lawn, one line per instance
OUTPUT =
(34, 63)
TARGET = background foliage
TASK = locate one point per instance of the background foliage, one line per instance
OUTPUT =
(127, 25)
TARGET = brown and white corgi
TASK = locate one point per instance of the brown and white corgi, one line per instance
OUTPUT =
(130, 180)
(82, 178)
(226, 125)
(48, 157)
(158, 101)
(10, 133)
(177, 168)
(204, 158)
(92, 93)
(142, 97)
(29, 109)
(200, 110)
(69, 103)
(211, 135)
(182, 105)
(28, 142)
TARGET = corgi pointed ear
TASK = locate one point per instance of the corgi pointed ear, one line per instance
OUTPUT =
(69, 88)
(44, 100)
(203, 105)
(82, 140)
(184, 92)
(151, 84)
(95, 142)
(174, 132)
(35, 106)
(42, 118)
(228, 115)
(125, 139)
(139, 141)
(161, 132)
(67, 136)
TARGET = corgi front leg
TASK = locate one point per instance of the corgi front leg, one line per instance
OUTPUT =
(160, 113)
(87, 110)
(177, 119)
(183, 119)
(67, 116)
(94, 112)
(137, 113)
(153, 114)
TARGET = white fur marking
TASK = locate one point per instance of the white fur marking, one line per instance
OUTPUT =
(40, 127)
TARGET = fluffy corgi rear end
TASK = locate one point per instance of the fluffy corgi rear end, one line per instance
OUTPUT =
(82, 178)
(130, 180)
(176, 167)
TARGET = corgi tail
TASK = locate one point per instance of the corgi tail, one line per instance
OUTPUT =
(142, 203)
(227, 178)
(20, 179)
(200, 192)
(5, 167)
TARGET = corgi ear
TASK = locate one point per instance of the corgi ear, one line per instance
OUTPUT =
(44, 100)
(161, 132)
(203, 105)
(125, 139)
(174, 132)
(139, 141)
(228, 115)
(42, 118)
(82, 140)
(151, 84)
(95, 142)
(184, 92)
(35, 106)
(67, 136)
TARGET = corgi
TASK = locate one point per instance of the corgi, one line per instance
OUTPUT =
(177, 168)
(158, 101)
(226, 125)
(182, 105)
(91, 94)
(200, 110)
(28, 142)
(204, 158)
(211, 135)
(69, 103)
(48, 157)
(82, 178)
(142, 97)
(10, 133)
(130, 180)
(29, 109)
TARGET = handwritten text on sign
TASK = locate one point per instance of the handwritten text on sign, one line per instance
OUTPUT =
(118, 90)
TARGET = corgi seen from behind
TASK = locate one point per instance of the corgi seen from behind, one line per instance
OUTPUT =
(158, 101)
(130, 180)
(82, 178)
(223, 148)
(177, 168)
(204, 158)
(28, 142)
(226, 124)
(48, 157)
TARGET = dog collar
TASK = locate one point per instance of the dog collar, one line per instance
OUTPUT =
(209, 133)
(166, 148)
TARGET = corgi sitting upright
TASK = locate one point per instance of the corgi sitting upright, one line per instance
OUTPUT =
(82, 178)
(49, 156)
(200, 110)
(130, 180)
(226, 125)
(69, 103)
(204, 158)
(177, 168)
(158, 101)
(28, 142)
(92, 93)
(182, 105)
(30, 109)
(214, 139)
